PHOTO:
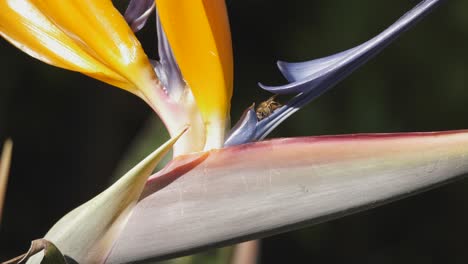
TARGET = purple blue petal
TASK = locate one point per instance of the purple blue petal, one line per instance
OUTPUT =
(167, 67)
(323, 73)
(244, 130)
(313, 78)
(138, 12)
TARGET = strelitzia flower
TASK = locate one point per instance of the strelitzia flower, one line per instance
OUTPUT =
(91, 37)
(227, 186)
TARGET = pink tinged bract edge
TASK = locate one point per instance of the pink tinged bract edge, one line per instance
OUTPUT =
(260, 189)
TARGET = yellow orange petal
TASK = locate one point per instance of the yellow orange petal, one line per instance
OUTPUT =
(88, 36)
(199, 35)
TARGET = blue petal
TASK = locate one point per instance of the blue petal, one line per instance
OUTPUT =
(245, 129)
(138, 12)
(167, 68)
(301, 70)
(316, 74)
(313, 78)
(136, 15)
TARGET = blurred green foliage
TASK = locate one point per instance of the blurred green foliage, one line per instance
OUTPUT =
(72, 132)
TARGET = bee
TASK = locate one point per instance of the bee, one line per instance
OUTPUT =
(266, 108)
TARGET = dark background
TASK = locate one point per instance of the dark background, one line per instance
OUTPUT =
(70, 131)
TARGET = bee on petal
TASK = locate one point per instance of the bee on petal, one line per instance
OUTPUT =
(266, 108)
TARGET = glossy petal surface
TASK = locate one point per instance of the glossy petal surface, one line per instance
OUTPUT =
(259, 189)
(199, 35)
(88, 36)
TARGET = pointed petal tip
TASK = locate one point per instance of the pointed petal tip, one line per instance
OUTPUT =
(290, 88)
(111, 208)
(283, 68)
(187, 127)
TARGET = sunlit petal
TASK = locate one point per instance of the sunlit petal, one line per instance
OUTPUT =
(89, 36)
(264, 188)
(199, 35)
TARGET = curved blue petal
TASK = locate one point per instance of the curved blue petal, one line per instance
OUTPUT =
(138, 12)
(167, 68)
(295, 71)
(313, 78)
(316, 74)
(245, 129)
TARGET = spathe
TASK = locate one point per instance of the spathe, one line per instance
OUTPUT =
(260, 189)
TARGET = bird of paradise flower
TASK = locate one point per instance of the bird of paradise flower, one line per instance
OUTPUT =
(223, 185)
